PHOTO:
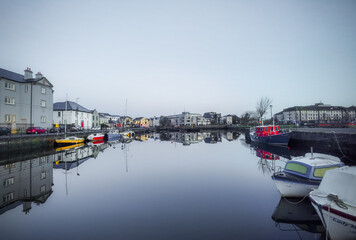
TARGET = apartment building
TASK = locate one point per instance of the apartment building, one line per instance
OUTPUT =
(25, 100)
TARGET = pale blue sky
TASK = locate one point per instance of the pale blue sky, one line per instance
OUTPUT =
(165, 57)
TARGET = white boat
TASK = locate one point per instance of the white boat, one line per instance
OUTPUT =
(335, 202)
(95, 137)
(127, 134)
(304, 174)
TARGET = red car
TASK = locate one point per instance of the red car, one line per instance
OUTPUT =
(36, 130)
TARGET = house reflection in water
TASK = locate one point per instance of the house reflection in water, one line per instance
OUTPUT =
(70, 158)
(26, 182)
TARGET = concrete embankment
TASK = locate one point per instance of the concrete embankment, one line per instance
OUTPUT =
(341, 140)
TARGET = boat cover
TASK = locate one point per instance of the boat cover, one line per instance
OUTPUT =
(340, 182)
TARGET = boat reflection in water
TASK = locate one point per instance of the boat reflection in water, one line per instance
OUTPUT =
(74, 155)
(297, 214)
(270, 157)
(26, 182)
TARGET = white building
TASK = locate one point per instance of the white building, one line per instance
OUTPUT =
(72, 113)
(187, 119)
(25, 101)
(318, 113)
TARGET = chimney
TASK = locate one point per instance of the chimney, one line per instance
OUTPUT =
(28, 74)
(39, 75)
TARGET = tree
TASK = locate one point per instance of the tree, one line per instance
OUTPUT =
(164, 122)
(246, 117)
(262, 106)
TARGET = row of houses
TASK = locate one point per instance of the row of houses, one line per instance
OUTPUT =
(27, 100)
(318, 113)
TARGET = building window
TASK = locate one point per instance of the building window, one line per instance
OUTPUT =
(43, 90)
(8, 182)
(43, 119)
(43, 189)
(43, 103)
(10, 86)
(7, 166)
(59, 114)
(10, 118)
(10, 100)
(42, 175)
(8, 197)
(26, 88)
(43, 160)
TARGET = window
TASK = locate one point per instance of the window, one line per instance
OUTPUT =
(59, 114)
(43, 119)
(43, 160)
(9, 165)
(10, 100)
(8, 182)
(295, 167)
(10, 118)
(26, 88)
(43, 175)
(43, 90)
(8, 197)
(319, 172)
(43, 189)
(43, 103)
(10, 86)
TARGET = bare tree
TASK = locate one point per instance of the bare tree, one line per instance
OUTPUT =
(262, 106)
(247, 117)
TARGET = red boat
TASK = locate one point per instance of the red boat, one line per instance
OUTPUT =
(95, 137)
(270, 135)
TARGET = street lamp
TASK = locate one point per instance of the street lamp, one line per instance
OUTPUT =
(271, 115)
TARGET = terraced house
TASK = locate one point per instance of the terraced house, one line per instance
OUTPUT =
(25, 100)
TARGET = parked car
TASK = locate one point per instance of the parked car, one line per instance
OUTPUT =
(57, 129)
(5, 131)
(36, 130)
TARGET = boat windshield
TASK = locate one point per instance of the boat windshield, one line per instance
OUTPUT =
(295, 167)
(319, 172)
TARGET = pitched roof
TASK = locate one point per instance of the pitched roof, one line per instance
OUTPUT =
(11, 75)
(71, 106)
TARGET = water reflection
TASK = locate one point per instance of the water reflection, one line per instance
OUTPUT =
(294, 214)
(26, 182)
(217, 190)
(188, 138)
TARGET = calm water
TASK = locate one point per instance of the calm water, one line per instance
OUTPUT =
(193, 186)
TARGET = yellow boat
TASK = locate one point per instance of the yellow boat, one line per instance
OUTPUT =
(70, 147)
(69, 140)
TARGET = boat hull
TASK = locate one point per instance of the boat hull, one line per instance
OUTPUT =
(280, 139)
(340, 225)
(290, 186)
(63, 142)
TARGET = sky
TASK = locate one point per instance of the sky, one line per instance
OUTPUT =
(166, 57)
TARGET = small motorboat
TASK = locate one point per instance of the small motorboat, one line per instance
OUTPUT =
(304, 174)
(69, 140)
(335, 202)
(95, 137)
(127, 134)
(114, 135)
(269, 135)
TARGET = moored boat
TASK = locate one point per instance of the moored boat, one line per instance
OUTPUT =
(270, 135)
(335, 202)
(127, 134)
(114, 134)
(304, 174)
(95, 137)
(69, 140)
